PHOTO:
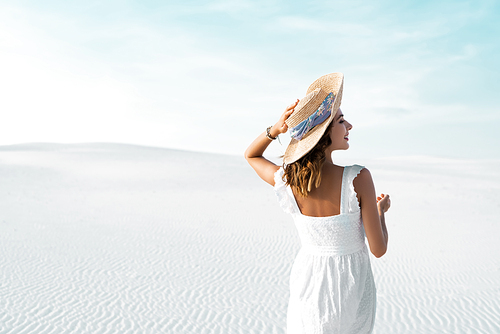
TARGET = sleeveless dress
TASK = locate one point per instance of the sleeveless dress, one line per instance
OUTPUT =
(331, 282)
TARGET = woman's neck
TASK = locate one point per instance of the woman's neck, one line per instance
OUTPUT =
(328, 157)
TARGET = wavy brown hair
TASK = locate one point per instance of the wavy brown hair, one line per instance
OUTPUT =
(305, 173)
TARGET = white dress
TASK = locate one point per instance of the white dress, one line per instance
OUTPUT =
(331, 283)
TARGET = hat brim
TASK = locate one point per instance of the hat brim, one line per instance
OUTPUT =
(331, 83)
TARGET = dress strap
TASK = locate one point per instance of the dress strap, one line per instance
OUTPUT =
(343, 206)
(348, 199)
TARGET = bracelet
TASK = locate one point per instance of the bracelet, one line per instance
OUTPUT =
(268, 134)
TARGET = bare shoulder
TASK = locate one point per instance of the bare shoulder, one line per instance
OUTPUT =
(363, 183)
(363, 176)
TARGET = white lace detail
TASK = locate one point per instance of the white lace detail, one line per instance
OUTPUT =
(286, 202)
(351, 202)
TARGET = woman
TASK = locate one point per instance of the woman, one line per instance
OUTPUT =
(334, 207)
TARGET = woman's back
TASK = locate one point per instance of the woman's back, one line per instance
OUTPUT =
(324, 200)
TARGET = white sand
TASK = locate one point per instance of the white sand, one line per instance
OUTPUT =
(120, 239)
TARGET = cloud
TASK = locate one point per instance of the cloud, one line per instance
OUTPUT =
(294, 24)
(227, 6)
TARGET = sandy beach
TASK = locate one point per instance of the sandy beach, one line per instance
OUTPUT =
(110, 238)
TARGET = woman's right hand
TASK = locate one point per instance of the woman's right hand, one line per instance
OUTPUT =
(383, 203)
(280, 126)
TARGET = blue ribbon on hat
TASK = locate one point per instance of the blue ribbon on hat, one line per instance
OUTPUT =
(318, 117)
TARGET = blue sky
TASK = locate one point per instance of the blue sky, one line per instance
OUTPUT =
(421, 78)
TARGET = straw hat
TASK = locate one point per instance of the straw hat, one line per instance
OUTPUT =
(316, 93)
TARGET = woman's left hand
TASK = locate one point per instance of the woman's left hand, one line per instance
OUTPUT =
(280, 126)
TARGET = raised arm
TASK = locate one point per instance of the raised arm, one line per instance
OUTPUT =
(265, 168)
(372, 212)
